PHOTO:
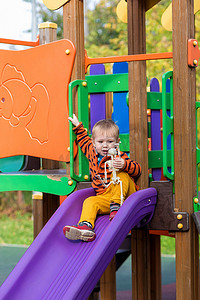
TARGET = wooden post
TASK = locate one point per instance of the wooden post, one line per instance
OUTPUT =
(187, 254)
(73, 27)
(108, 282)
(47, 33)
(155, 267)
(37, 198)
(138, 141)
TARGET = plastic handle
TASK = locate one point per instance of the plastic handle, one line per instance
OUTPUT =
(168, 125)
(82, 89)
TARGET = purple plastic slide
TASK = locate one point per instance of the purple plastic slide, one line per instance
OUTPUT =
(56, 268)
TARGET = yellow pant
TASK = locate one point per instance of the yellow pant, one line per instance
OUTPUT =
(100, 204)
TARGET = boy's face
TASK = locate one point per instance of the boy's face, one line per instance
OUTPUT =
(103, 142)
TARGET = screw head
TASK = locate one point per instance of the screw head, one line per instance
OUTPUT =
(70, 182)
(86, 177)
(195, 61)
(196, 200)
(179, 217)
(68, 149)
(180, 225)
(195, 43)
(67, 51)
(84, 83)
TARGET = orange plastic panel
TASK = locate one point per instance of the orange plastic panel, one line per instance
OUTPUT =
(34, 100)
(193, 53)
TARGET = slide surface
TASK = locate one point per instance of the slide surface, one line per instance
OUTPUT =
(56, 268)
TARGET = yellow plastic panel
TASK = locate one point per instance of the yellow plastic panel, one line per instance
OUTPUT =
(54, 4)
(122, 11)
(166, 19)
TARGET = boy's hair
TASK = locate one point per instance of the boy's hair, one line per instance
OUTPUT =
(106, 126)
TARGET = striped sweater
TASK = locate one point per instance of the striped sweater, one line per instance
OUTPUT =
(97, 171)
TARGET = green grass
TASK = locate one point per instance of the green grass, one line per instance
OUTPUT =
(16, 230)
(167, 245)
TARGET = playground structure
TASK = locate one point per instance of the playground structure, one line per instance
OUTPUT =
(180, 125)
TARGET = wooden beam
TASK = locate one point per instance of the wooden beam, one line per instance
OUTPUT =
(187, 254)
(140, 245)
(37, 199)
(155, 261)
(108, 282)
(138, 141)
(47, 33)
(73, 25)
(73, 29)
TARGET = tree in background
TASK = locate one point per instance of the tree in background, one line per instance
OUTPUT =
(157, 40)
(107, 35)
(47, 15)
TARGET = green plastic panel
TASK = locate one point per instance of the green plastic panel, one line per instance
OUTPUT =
(198, 156)
(82, 88)
(149, 129)
(107, 83)
(124, 139)
(197, 205)
(168, 125)
(155, 159)
(119, 83)
(40, 183)
(154, 100)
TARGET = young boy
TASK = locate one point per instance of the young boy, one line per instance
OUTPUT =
(105, 135)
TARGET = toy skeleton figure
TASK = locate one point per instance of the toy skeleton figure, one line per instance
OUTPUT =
(113, 152)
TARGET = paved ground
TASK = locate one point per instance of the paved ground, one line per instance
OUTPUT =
(10, 255)
(168, 279)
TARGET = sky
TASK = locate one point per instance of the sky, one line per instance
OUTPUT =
(15, 21)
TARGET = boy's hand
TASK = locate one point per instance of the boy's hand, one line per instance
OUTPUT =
(74, 120)
(118, 163)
